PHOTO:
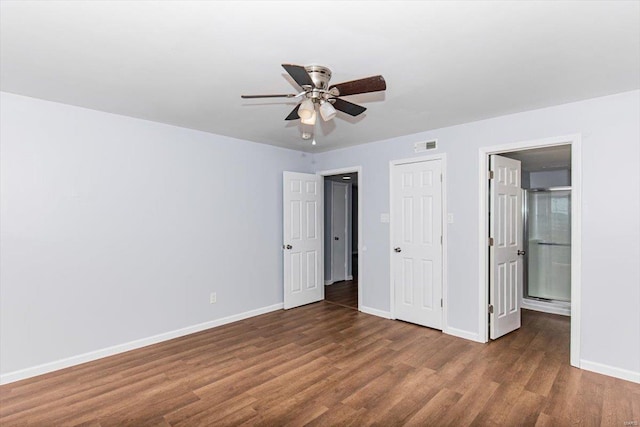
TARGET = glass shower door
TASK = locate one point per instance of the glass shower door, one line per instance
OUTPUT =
(548, 233)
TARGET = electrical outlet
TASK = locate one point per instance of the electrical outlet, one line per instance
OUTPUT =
(213, 298)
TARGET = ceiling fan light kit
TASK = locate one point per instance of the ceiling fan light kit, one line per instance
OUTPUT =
(306, 110)
(311, 120)
(318, 96)
(327, 111)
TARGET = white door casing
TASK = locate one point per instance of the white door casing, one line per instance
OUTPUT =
(417, 254)
(505, 229)
(338, 231)
(302, 239)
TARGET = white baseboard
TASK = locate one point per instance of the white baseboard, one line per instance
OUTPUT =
(546, 307)
(611, 371)
(375, 312)
(461, 333)
(350, 277)
(22, 374)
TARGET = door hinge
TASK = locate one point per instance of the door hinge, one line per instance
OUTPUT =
(490, 241)
(490, 308)
(441, 303)
(441, 240)
(440, 177)
(490, 174)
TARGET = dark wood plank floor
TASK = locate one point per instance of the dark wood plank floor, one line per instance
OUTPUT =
(324, 365)
(342, 293)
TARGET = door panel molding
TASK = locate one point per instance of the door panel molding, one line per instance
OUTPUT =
(424, 178)
(505, 271)
(303, 268)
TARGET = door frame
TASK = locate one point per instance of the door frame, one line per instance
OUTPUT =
(358, 170)
(575, 141)
(347, 206)
(443, 161)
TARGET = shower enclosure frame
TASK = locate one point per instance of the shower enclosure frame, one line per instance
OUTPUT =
(532, 302)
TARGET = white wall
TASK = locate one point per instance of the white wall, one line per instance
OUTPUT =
(610, 128)
(328, 236)
(116, 229)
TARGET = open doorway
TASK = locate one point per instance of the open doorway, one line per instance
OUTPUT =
(530, 235)
(546, 217)
(341, 232)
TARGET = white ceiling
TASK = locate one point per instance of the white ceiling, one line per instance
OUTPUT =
(445, 63)
(547, 158)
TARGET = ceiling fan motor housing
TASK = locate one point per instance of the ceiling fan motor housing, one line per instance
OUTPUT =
(319, 75)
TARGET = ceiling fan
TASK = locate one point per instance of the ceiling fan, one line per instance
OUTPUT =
(318, 95)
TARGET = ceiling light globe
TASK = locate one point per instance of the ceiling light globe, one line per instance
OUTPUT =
(306, 110)
(309, 121)
(327, 111)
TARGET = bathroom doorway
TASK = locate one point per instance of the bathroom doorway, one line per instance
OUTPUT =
(546, 210)
(488, 312)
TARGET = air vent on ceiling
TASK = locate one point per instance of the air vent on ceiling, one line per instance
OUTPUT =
(419, 147)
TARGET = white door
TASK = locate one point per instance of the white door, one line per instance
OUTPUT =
(338, 231)
(417, 242)
(506, 248)
(303, 224)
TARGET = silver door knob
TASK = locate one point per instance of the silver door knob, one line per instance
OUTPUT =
(336, 238)
(287, 246)
(397, 249)
(522, 252)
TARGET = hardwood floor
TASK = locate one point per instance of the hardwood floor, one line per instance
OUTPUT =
(323, 365)
(343, 293)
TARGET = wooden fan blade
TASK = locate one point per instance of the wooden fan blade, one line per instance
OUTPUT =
(288, 95)
(299, 74)
(348, 107)
(368, 84)
(293, 115)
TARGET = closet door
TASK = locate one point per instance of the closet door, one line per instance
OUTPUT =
(303, 218)
(416, 221)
